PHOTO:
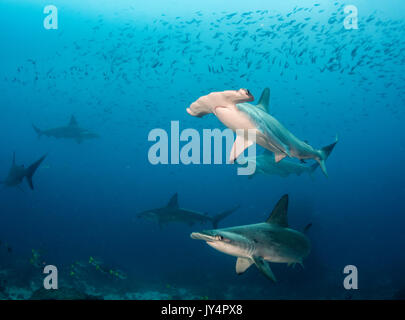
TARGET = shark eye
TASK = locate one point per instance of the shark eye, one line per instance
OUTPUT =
(247, 91)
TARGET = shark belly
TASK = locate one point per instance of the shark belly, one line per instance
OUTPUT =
(239, 120)
(301, 150)
(234, 119)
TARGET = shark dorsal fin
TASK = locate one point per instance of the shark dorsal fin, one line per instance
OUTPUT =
(73, 121)
(173, 203)
(279, 214)
(264, 100)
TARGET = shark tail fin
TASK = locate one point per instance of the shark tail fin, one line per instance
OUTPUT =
(217, 218)
(325, 153)
(327, 150)
(31, 170)
(38, 131)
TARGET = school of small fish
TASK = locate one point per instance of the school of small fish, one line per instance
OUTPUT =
(142, 60)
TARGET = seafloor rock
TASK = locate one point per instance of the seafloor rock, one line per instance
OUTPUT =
(175, 294)
(17, 293)
(62, 294)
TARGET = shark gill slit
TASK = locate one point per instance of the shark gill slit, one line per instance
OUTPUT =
(251, 248)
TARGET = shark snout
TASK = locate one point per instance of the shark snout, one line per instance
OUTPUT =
(204, 235)
(191, 112)
(196, 111)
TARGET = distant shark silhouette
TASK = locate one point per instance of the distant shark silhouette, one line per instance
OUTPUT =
(173, 213)
(17, 173)
(71, 131)
(265, 164)
(232, 109)
(271, 241)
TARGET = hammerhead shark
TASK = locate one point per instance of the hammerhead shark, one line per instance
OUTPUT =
(71, 131)
(265, 164)
(271, 241)
(173, 213)
(231, 107)
(17, 173)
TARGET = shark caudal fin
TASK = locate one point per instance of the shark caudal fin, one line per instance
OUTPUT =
(31, 170)
(217, 218)
(325, 153)
(38, 131)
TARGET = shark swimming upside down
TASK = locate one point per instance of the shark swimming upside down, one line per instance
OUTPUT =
(231, 107)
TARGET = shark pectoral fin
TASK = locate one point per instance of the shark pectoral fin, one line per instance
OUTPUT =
(242, 264)
(264, 267)
(238, 147)
(279, 156)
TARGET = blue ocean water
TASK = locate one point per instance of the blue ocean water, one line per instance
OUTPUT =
(124, 68)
